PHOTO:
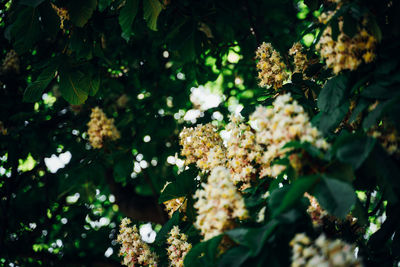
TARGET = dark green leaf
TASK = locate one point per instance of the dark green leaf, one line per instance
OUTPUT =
(203, 253)
(127, 16)
(74, 88)
(295, 193)
(35, 90)
(253, 238)
(335, 196)
(328, 121)
(151, 10)
(332, 94)
(234, 257)
(25, 31)
(185, 184)
(162, 234)
(354, 149)
(80, 11)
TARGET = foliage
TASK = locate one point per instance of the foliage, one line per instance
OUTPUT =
(141, 62)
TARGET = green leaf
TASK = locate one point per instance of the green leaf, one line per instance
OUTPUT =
(50, 19)
(151, 11)
(25, 31)
(185, 184)
(162, 234)
(203, 253)
(332, 94)
(253, 238)
(80, 11)
(103, 4)
(375, 115)
(328, 121)
(35, 90)
(123, 166)
(127, 16)
(234, 257)
(73, 87)
(93, 83)
(354, 149)
(378, 91)
(295, 193)
(335, 196)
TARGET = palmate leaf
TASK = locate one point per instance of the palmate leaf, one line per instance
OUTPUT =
(80, 11)
(335, 196)
(332, 94)
(25, 31)
(127, 16)
(185, 184)
(354, 149)
(35, 90)
(151, 10)
(204, 253)
(74, 87)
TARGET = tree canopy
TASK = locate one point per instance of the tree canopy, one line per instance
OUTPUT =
(232, 133)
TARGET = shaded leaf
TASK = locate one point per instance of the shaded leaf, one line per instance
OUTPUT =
(354, 149)
(151, 10)
(335, 196)
(73, 87)
(127, 16)
(35, 90)
(332, 93)
(80, 11)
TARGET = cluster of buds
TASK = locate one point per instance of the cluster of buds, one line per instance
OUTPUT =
(101, 128)
(218, 204)
(272, 70)
(322, 252)
(202, 145)
(10, 62)
(3, 130)
(133, 249)
(62, 13)
(178, 247)
(300, 60)
(286, 121)
(345, 53)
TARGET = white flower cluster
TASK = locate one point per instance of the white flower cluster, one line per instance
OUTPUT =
(286, 121)
(322, 252)
(202, 145)
(345, 53)
(272, 70)
(178, 247)
(242, 152)
(101, 128)
(218, 204)
(133, 249)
